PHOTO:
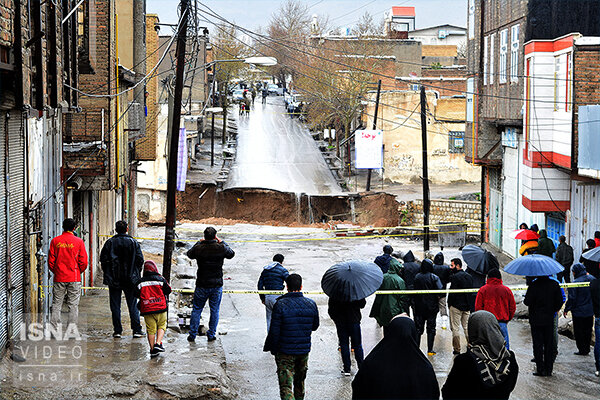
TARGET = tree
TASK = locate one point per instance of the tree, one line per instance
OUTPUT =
(366, 26)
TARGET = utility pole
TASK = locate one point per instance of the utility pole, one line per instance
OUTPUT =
(374, 128)
(174, 141)
(212, 120)
(139, 67)
(425, 178)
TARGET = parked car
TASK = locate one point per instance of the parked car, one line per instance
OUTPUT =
(238, 95)
(274, 89)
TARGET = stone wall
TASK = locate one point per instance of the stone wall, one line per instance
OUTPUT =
(443, 211)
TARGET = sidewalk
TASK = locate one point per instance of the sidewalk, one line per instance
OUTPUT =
(123, 368)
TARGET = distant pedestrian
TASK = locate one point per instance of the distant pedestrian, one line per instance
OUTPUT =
(545, 245)
(265, 94)
(564, 255)
(595, 294)
(459, 303)
(272, 277)
(67, 259)
(597, 238)
(443, 272)
(152, 290)
(209, 255)
(294, 319)
(529, 247)
(497, 299)
(534, 228)
(122, 261)
(387, 306)
(396, 368)
(593, 267)
(487, 370)
(384, 260)
(410, 271)
(580, 305)
(346, 315)
(523, 226)
(427, 305)
(543, 299)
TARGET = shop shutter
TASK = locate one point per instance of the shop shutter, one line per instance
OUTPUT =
(16, 218)
(3, 275)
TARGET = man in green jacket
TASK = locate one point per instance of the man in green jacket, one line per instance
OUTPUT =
(387, 306)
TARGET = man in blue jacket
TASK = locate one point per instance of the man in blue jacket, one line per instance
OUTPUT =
(272, 277)
(384, 260)
(292, 322)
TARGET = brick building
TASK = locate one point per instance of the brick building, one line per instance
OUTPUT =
(496, 35)
(34, 49)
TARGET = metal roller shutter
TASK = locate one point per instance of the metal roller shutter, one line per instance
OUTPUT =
(3, 275)
(16, 218)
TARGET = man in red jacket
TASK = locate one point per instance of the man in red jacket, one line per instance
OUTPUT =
(67, 259)
(497, 299)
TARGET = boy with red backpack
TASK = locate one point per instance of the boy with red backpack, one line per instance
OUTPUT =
(152, 290)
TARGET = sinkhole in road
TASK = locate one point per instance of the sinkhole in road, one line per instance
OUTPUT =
(283, 208)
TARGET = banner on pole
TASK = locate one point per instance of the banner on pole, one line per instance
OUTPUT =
(369, 149)
(182, 160)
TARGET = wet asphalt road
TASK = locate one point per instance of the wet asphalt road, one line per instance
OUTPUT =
(243, 329)
(277, 152)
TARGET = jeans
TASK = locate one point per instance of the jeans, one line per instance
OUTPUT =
(348, 332)
(582, 329)
(114, 295)
(543, 347)
(504, 330)
(270, 300)
(458, 318)
(420, 325)
(291, 373)
(597, 344)
(69, 291)
(213, 295)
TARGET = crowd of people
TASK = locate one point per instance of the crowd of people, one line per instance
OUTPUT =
(488, 368)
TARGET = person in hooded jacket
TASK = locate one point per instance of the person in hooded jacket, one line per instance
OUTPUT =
(564, 255)
(396, 368)
(487, 370)
(579, 304)
(387, 306)
(595, 294)
(427, 305)
(545, 245)
(272, 277)
(443, 272)
(384, 260)
(497, 299)
(122, 261)
(410, 271)
(152, 290)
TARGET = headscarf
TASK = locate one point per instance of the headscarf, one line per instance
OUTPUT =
(487, 346)
(150, 266)
(379, 376)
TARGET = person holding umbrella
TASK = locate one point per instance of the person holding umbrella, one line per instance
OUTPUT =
(427, 305)
(348, 284)
(543, 299)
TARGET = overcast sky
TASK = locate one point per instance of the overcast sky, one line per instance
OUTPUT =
(252, 14)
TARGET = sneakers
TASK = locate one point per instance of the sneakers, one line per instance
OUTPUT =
(117, 335)
(137, 335)
(212, 338)
(154, 352)
(191, 338)
(346, 372)
(159, 347)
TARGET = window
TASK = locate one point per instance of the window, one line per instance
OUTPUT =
(560, 83)
(456, 142)
(492, 45)
(503, 55)
(569, 83)
(485, 59)
(514, 53)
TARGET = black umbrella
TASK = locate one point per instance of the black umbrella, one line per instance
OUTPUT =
(478, 259)
(352, 280)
